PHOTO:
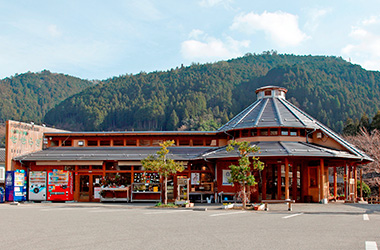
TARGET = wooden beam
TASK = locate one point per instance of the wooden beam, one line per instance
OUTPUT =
(345, 182)
(264, 180)
(335, 183)
(321, 179)
(279, 182)
(356, 183)
(295, 178)
(361, 182)
(286, 179)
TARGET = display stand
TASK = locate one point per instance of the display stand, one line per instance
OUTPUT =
(205, 191)
(114, 194)
(146, 192)
(183, 187)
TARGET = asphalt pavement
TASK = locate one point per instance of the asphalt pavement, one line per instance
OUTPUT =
(141, 226)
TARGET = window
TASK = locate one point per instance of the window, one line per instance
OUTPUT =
(184, 142)
(263, 132)
(156, 142)
(198, 142)
(105, 143)
(210, 142)
(97, 167)
(254, 132)
(125, 167)
(118, 142)
(83, 167)
(293, 132)
(302, 132)
(268, 93)
(284, 132)
(273, 132)
(131, 143)
(54, 143)
(144, 142)
(111, 166)
(245, 133)
(67, 143)
(92, 143)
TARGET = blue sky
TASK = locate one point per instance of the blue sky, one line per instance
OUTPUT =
(101, 39)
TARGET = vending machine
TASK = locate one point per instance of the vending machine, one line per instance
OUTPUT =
(37, 186)
(60, 186)
(15, 185)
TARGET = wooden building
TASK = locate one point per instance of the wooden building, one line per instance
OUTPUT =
(297, 151)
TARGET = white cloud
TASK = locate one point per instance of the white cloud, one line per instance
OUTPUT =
(202, 47)
(212, 3)
(280, 27)
(53, 31)
(371, 20)
(314, 17)
(365, 47)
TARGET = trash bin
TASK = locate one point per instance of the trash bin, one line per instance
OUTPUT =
(2, 195)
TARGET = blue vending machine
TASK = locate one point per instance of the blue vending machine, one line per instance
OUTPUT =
(15, 185)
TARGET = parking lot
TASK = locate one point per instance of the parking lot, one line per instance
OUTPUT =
(139, 226)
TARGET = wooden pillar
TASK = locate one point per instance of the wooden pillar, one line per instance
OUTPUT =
(321, 180)
(294, 184)
(361, 182)
(335, 183)
(348, 183)
(345, 182)
(356, 183)
(278, 182)
(286, 179)
(264, 180)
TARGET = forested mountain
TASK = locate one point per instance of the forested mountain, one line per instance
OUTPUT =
(27, 97)
(205, 96)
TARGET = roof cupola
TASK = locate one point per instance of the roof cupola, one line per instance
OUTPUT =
(270, 92)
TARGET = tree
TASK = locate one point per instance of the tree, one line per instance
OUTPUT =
(163, 165)
(350, 127)
(375, 124)
(242, 173)
(173, 121)
(370, 144)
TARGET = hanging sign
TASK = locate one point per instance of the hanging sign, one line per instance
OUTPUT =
(195, 179)
(226, 177)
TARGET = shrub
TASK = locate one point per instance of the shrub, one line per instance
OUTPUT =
(366, 189)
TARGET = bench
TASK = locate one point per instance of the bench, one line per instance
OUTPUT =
(266, 202)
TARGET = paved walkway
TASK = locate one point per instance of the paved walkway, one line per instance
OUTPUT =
(332, 208)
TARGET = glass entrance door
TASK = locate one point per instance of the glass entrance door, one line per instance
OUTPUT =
(84, 188)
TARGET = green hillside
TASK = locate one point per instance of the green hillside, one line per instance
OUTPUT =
(27, 97)
(204, 96)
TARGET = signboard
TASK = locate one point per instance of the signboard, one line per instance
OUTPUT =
(97, 192)
(23, 138)
(195, 178)
(226, 176)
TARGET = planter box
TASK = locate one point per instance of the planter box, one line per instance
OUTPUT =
(228, 206)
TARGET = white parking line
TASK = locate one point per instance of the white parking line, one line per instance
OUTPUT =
(231, 213)
(67, 209)
(289, 216)
(365, 217)
(370, 245)
(107, 210)
(168, 212)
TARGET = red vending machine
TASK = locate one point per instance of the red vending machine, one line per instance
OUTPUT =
(60, 186)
